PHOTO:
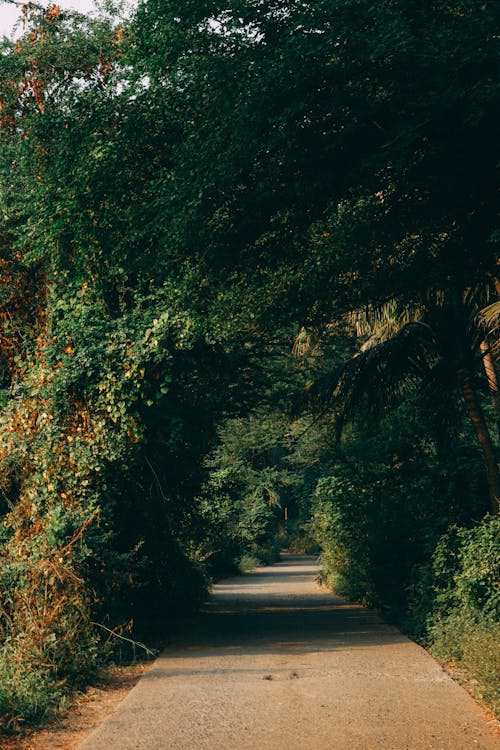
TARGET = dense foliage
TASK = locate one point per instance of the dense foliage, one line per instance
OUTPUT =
(245, 251)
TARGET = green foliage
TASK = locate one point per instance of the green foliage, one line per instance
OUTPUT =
(27, 696)
(463, 623)
(384, 516)
(466, 569)
(246, 488)
(384, 498)
(181, 194)
(344, 544)
(247, 563)
(326, 159)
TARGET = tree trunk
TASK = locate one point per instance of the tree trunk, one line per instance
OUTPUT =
(476, 416)
(491, 374)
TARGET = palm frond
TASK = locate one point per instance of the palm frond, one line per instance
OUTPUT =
(490, 317)
(491, 313)
(375, 379)
(302, 343)
(381, 322)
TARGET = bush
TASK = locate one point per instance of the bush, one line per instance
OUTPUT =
(268, 555)
(341, 529)
(247, 563)
(300, 539)
(27, 695)
(259, 555)
(464, 624)
(475, 647)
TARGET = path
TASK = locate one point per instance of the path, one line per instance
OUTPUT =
(277, 663)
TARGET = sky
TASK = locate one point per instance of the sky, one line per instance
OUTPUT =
(9, 13)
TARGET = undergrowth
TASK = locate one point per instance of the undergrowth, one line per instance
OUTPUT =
(463, 625)
(28, 695)
(453, 599)
(247, 563)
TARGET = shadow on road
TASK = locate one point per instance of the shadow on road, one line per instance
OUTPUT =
(267, 610)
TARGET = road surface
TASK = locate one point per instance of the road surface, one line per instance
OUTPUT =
(275, 662)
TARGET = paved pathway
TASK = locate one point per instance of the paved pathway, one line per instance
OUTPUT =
(277, 663)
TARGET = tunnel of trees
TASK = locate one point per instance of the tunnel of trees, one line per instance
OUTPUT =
(249, 262)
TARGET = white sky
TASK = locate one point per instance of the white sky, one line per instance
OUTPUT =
(9, 13)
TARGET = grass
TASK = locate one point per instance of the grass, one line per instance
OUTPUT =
(475, 648)
(28, 696)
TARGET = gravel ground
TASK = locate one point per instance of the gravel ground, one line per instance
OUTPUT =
(275, 662)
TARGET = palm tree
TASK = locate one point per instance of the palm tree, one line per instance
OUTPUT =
(437, 344)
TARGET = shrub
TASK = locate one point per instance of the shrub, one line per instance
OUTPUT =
(464, 624)
(341, 529)
(248, 562)
(27, 695)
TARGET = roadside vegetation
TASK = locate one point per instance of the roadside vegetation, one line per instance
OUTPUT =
(249, 300)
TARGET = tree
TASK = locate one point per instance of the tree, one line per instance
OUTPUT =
(436, 346)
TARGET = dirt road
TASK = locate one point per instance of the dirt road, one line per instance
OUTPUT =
(277, 663)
